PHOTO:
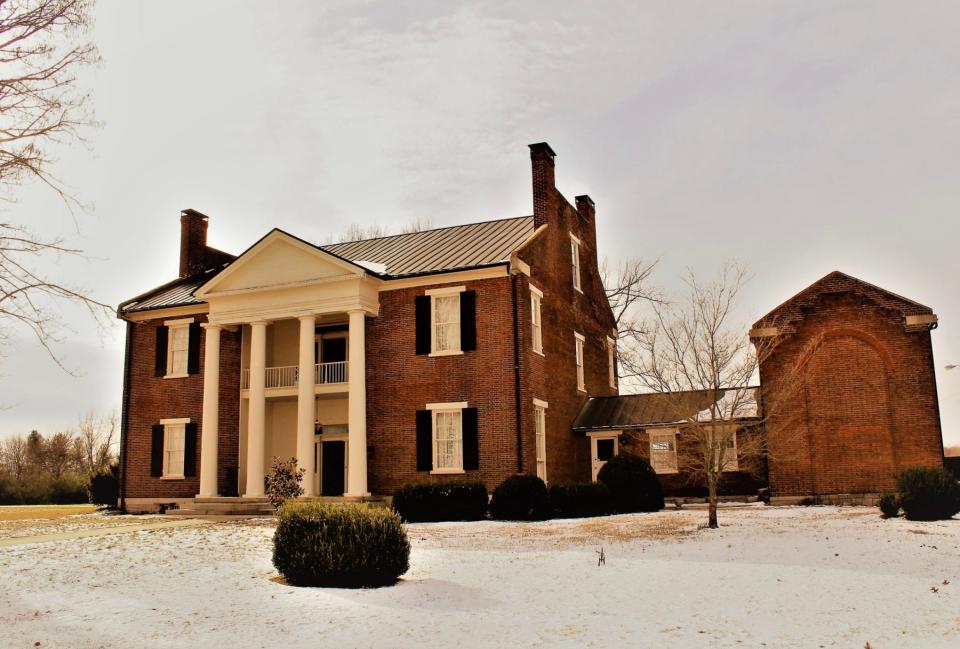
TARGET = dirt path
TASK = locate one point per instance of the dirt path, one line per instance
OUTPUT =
(101, 531)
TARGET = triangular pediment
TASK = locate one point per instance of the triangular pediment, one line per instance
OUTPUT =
(279, 260)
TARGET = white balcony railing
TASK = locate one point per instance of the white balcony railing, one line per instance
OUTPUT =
(289, 376)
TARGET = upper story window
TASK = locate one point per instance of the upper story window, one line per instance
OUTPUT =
(540, 429)
(612, 361)
(663, 451)
(581, 384)
(575, 261)
(536, 318)
(446, 321)
(178, 348)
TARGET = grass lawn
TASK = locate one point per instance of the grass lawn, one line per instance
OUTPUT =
(769, 577)
(24, 512)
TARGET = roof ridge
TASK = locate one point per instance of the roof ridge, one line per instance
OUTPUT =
(406, 234)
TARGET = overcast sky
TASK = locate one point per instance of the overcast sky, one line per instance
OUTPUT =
(799, 138)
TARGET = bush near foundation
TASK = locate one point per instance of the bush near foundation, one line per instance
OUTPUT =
(104, 486)
(928, 494)
(520, 498)
(580, 500)
(633, 484)
(346, 546)
(283, 482)
(889, 504)
(447, 501)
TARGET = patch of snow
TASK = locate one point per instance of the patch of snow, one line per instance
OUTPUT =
(783, 577)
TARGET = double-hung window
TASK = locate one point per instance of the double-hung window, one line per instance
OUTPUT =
(445, 320)
(178, 349)
(174, 445)
(612, 361)
(540, 428)
(728, 447)
(447, 437)
(581, 384)
(575, 261)
(663, 451)
(536, 318)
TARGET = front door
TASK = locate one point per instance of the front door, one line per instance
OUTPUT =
(603, 448)
(332, 474)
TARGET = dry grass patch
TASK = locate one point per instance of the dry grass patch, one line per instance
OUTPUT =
(47, 512)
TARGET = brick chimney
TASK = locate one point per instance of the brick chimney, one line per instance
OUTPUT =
(193, 242)
(541, 160)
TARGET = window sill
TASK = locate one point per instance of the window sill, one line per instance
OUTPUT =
(451, 352)
(172, 477)
(578, 290)
(666, 472)
(175, 376)
(539, 351)
(447, 472)
(584, 389)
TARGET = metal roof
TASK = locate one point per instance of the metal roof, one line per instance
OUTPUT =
(418, 253)
(648, 409)
(444, 249)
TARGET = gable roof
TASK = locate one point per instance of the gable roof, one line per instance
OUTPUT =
(644, 410)
(793, 309)
(459, 247)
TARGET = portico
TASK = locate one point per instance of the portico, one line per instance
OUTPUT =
(303, 314)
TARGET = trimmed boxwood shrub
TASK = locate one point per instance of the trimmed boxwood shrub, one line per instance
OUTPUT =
(520, 497)
(578, 500)
(928, 494)
(104, 486)
(348, 546)
(633, 484)
(889, 504)
(446, 501)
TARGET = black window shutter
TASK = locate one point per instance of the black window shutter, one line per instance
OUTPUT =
(471, 440)
(468, 321)
(193, 351)
(160, 368)
(156, 452)
(190, 450)
(422, 309)
(424, 440)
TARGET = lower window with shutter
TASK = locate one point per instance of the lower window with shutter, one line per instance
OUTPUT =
(447, 438)
(174, 452)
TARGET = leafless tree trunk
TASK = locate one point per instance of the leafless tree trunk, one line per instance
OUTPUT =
(42, 46)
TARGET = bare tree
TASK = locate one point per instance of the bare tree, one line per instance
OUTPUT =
(630, 289)
(693, 347)
(43, 45)
(13, 456)
(417, 224)
(95, 435)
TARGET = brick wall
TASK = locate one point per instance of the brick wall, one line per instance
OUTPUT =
(864, 402)
(154, 398)
(400, 382)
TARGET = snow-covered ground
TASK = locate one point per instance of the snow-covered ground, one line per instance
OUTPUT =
(770, 577)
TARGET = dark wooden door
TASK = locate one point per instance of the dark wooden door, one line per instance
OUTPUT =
(332, 472)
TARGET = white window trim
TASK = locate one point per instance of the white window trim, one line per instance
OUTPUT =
(171, 325)
(612, 361)
(577, 284)
(445, 291)
(435, 408)
(181, 421)
(536, 309)
(540, 406)
(580, 360)
(663, 432)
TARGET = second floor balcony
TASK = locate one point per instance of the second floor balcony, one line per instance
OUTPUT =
(288, 376)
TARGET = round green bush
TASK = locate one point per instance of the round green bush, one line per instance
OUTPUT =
(444, 501)
(633, 484)
(579, 500)
(928, 494)
(889, 504)
(520, 497)
(347, 546)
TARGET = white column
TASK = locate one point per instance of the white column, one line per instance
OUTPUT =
(306, 402)
(257, 409)
(209, 426)
(357, 412)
